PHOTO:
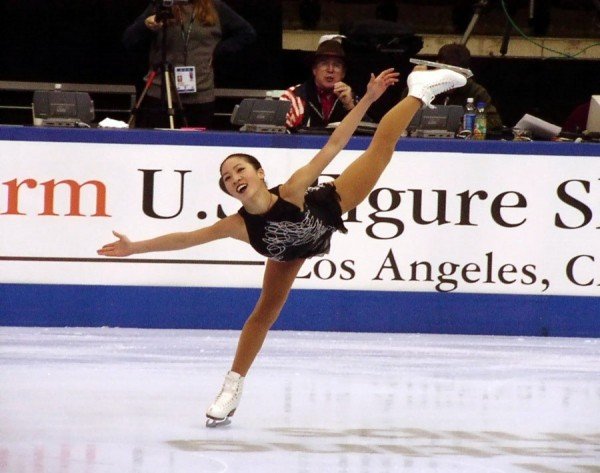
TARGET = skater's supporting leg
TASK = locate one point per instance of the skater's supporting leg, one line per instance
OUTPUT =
(277, 282)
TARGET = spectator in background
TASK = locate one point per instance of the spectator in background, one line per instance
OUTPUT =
(458, 55)
(324, 98)
(195, 32)
(576, 122)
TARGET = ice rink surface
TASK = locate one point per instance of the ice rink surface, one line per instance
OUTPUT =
(109, 400)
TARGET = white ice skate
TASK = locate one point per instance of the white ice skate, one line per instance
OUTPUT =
(226, 402)
(425, 85)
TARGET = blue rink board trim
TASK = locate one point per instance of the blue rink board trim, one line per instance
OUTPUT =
(313, 310)
(294, 141)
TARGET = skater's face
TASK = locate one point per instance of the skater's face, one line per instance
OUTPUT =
(241, 177)
(328, 70)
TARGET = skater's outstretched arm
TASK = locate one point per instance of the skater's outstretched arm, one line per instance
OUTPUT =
(232, 226)
(295, 188)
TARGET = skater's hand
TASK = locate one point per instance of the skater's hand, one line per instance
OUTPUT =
(152, 24)
(344, 94)
(121, 247)
(378, 85)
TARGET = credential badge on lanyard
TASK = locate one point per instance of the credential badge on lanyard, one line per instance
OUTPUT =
(185, 76)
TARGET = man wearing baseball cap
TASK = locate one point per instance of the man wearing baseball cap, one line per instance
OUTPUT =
(324, 98)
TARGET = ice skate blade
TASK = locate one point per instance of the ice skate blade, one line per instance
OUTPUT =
(438, 65)
(213, 423)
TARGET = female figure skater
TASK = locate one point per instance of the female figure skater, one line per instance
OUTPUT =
(292, 222)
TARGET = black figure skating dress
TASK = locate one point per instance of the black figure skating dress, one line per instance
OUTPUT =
(285, 232)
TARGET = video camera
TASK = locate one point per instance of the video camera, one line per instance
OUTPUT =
(164, 8)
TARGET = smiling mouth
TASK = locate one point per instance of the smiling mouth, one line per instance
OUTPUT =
(241, 188)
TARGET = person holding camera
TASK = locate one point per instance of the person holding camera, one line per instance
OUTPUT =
(187, 35)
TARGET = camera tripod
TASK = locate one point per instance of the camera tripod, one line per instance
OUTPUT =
(478, 8)
(168, 87)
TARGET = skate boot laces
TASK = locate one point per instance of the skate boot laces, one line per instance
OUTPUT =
(228, 399)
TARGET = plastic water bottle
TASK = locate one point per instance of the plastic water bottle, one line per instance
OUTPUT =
(469, 116)
(480, 129)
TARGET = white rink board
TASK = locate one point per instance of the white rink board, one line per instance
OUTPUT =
(500, 234)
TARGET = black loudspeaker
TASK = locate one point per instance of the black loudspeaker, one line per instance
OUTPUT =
(261, 115)
(443, 121)
(58, 108)
(380, 36)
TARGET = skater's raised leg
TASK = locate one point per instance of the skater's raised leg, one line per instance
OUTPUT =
(359, 178)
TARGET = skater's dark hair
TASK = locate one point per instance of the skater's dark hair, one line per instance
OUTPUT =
(251, 160)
